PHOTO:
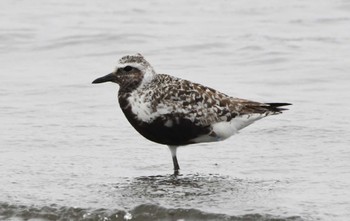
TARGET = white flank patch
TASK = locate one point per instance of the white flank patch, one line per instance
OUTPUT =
(224, 129)
(205, 139)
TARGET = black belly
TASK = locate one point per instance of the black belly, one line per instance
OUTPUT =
(179, 132)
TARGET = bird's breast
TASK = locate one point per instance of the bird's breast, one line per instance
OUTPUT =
(159, 123)
(142, 106)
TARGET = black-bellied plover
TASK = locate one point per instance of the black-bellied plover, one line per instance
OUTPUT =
(177, 112)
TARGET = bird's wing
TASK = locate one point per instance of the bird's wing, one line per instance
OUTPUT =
(202, 105)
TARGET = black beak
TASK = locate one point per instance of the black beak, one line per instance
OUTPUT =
(108, 77)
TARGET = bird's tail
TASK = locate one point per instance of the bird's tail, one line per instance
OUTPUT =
(276, 107)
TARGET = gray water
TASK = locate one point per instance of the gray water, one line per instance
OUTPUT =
(68, 153)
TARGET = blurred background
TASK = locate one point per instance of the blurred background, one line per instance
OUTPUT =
(67, 151)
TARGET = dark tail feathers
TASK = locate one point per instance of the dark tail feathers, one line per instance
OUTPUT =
(276, 106)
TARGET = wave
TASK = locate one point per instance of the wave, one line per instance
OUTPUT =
(143, 212)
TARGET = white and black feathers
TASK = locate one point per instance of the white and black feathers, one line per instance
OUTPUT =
(175, 112)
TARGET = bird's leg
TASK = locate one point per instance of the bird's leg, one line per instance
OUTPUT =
(176, 164)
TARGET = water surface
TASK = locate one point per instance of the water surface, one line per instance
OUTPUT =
(68, 153)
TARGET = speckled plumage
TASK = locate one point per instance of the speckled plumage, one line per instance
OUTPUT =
(175, 112)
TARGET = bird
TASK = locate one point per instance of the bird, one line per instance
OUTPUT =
(177, 112)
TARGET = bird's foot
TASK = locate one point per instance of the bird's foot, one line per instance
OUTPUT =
(176, 173)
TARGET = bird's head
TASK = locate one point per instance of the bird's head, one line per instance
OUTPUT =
(131, 72)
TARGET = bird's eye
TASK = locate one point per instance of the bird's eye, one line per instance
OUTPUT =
(127, 68)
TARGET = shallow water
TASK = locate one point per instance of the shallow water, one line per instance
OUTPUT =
(68, 153)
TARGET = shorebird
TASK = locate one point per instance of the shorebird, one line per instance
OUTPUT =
(176, 112)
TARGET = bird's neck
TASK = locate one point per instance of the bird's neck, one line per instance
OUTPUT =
(123, 99)
(126, 107)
